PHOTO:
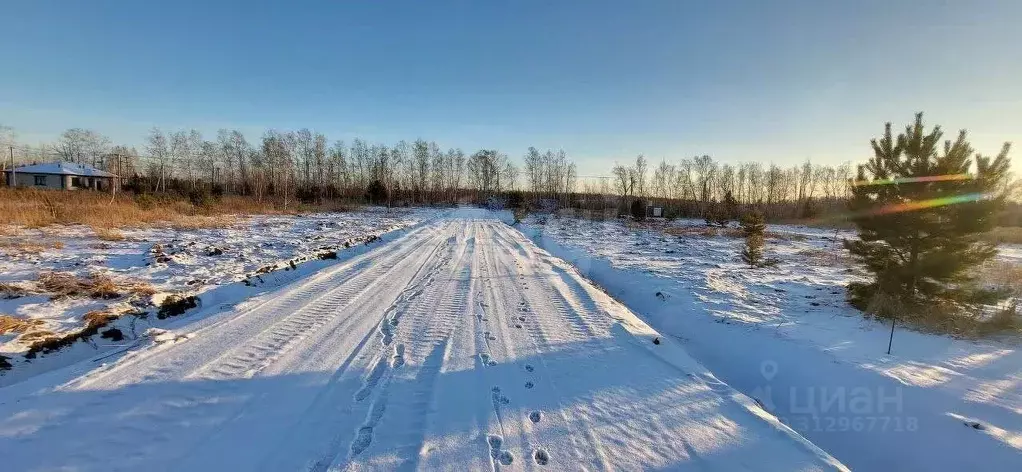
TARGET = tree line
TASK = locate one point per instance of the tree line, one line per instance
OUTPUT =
(287, 165)
(695, 186)
(304, 165)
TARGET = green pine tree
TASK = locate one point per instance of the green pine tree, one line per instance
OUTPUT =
(730, 210)
(753, 226)
(919, 236)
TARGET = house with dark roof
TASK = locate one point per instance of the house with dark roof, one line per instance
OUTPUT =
(61, 176)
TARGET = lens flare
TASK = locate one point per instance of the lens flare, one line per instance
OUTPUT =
(907, 206)
(924, 204)
(906, 180)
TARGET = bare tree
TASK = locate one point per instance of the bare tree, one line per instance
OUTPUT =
(640, 175)
(82, 146)
(158, 149)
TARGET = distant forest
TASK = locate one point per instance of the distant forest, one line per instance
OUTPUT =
(304, 166)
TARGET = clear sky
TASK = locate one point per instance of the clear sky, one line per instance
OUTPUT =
(774, 81)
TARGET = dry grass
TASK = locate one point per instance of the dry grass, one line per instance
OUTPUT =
(35, 336)
(1001, 274)
(39, 208)
(837, 222)
(9, 230)
(201, 222)
(11, 324)
(144, 289)
(785, 236)
(704, 231)
(98, 318)
(1004, 235)
(94, 320)
(20, 246)
(948, 318)
(66, 284)
(9, 290)
(836, 257)
(108, 234)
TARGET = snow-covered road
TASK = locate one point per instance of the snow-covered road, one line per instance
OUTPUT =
(458, 346)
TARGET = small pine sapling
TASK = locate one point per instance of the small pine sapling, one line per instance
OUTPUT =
(753, 227)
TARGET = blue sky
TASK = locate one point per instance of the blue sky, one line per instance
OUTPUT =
(738, 80)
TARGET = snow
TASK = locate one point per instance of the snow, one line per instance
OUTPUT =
(222, 266)
(785, 336)
(457, 344)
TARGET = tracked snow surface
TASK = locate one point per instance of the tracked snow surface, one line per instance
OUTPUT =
(785, 336)
(458, 346)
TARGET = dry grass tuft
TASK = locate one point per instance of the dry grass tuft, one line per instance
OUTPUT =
(34, 336)
(12, 324)
(94, 321)
(9, 290)
(144, 289)
(98, 318)
(175, 305)
(108, 234)
(66, 284)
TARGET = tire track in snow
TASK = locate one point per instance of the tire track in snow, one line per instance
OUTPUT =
(248, 359)
(323, 309)
(433, 318)
(540, 313)
(184, 399)
(167, 360)
(333, 402)
(380, 364)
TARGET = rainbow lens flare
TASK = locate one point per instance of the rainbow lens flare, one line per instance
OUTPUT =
(924, 204)
(906, 180)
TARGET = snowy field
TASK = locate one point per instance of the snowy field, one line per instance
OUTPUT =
(453, 345)
(785, 336)
(221, 266)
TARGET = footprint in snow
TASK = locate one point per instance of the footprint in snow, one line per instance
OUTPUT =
(541, 456)
(529, 368)
(362, 440)
(499, 399)
(399, 356)
(487, 361)
(495, 441)
(536, 416)
(529, 385)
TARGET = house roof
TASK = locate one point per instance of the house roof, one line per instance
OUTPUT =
(63, 168)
